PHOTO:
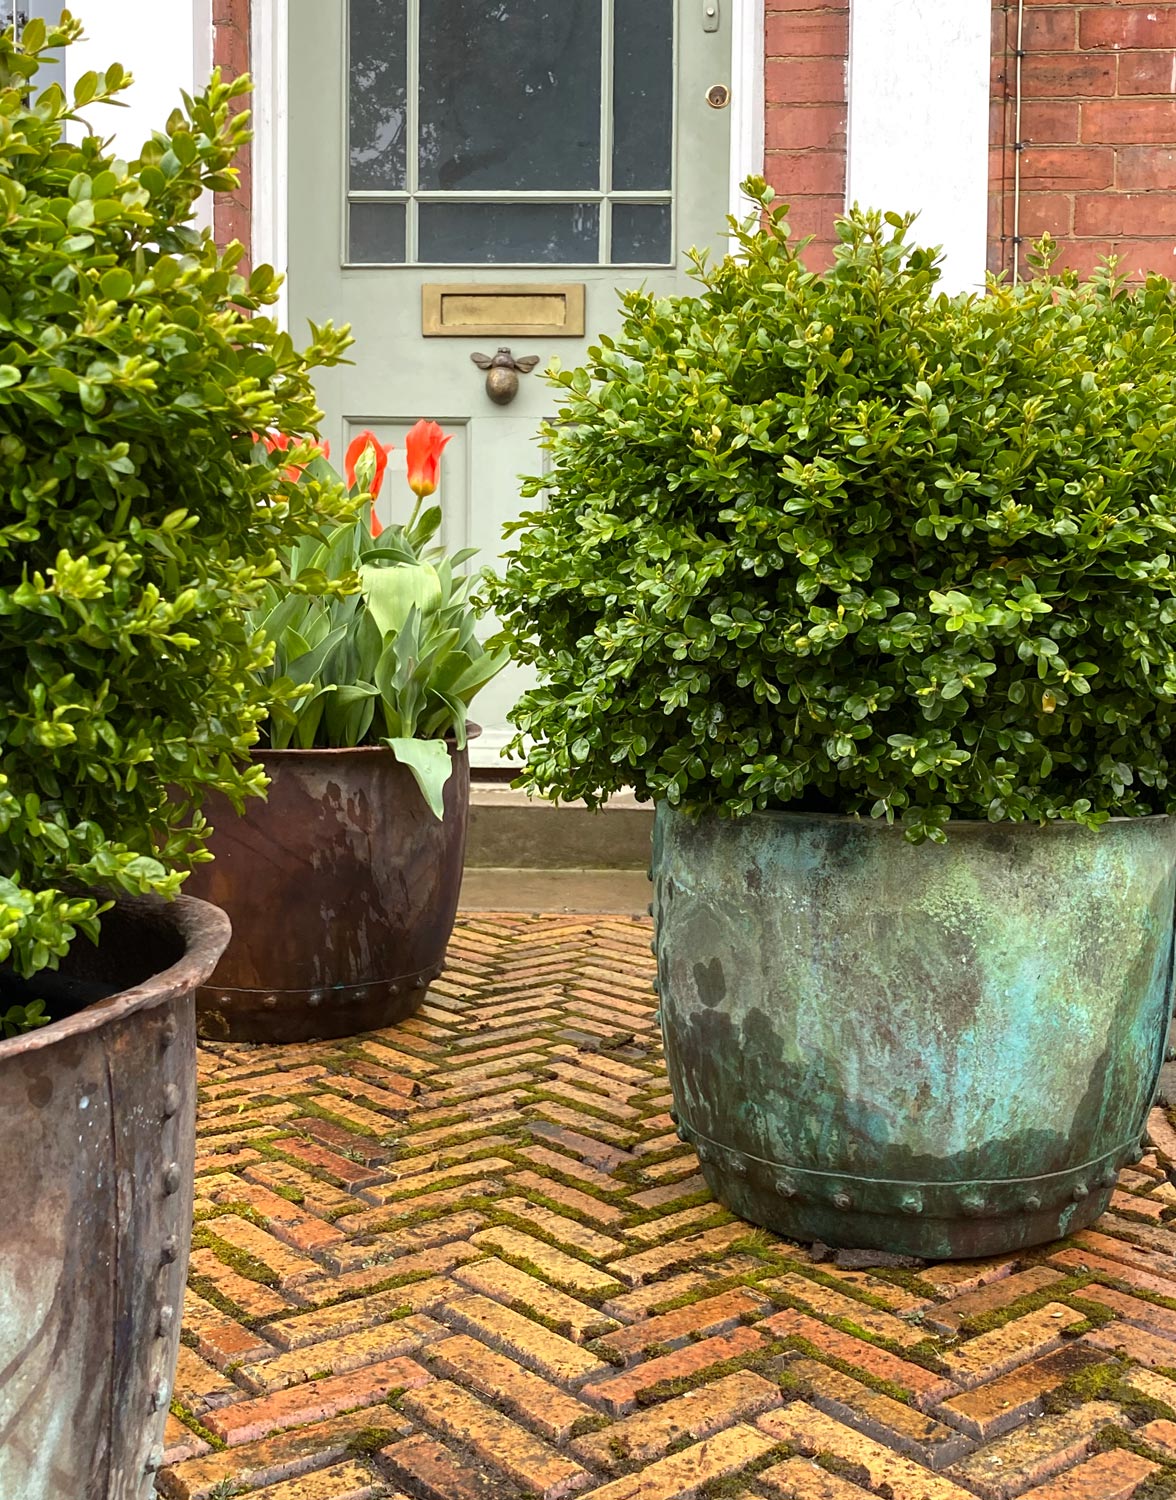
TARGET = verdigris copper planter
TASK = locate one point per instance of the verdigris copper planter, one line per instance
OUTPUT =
(96, 1161)
(342, 888)
(944, 1050)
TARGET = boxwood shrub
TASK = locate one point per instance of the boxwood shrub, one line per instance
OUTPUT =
(136, 363)
(841, 541)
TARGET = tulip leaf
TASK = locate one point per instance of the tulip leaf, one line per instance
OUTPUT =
(430, 764)
(390, 593)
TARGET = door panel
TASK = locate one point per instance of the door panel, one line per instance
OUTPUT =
(544, 144)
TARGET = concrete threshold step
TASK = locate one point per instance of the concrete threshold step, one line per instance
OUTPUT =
(509, 830)
(620, 892)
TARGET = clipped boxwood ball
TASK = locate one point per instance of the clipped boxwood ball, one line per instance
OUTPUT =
(838, 541)
(136, 529)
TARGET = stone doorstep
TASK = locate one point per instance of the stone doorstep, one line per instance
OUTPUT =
(509, 830)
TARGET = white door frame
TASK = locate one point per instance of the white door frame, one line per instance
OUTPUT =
(271, 175)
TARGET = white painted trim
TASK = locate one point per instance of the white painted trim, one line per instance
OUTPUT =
(202, 48)
(269, 65)
(918, 122)
(747, 93)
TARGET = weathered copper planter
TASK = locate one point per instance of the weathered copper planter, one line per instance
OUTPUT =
(945, 1051)
(342, 888)
(96, 1158)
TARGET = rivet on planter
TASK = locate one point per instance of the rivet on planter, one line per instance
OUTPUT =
(842, 1200)
(171, 1030)
(912, 1204)
(1109, 1177)
(655, 986)
(649, 873)
(657, 1016)
(420, 982)
(785, 1187)
(169, 1251)
(270, 1002)
(1080, 1191)
(1136, 1154)
(703, 1151)
(171, 1100)
(167, 1315)
(172, 1177)
(1031, 1204)
(154, 1461)
(649, 908)
(972, 1204)
(159, 1396)
(684, 1132)
(674, 1116)
(653, 947)
(315, 999)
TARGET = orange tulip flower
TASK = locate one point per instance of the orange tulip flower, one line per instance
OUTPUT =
(355, 451)
(423, 444)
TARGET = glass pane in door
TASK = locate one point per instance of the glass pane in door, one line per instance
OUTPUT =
(502, 233)
(510, 95)
(641, 234)
(643, 94)
(500, 132)
(378, 93)
(376, 234)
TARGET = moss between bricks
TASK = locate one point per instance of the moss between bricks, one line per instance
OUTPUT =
(182, 1414)
(863, 1377)
(1105, 1382)
(1057, 1291)
(760, 1361)
(245, 1265)
(317, 1111)
(370, 1440)
(732, 1486)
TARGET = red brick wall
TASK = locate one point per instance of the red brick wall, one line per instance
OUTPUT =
(230, 52)
(806, 61)
(1098, 165)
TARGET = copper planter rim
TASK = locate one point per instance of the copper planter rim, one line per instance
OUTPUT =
(204, 931)
(259, 751)
(881, 826)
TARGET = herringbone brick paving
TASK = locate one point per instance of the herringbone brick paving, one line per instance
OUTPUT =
(468, 1258)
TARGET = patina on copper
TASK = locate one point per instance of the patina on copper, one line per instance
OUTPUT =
(945, 1051)
(342, 888)
(96, 1161)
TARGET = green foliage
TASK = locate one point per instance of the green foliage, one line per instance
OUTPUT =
(137, 528)
(21, 1018)
(374, 645)
(840, 541)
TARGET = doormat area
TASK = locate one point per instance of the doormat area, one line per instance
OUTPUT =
(468, 1258)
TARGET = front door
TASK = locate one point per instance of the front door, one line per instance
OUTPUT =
(476, 176)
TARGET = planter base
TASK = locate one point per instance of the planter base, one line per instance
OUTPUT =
(240, 1015)
(935, 1220)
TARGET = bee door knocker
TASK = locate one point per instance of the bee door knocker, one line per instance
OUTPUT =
(502, 374)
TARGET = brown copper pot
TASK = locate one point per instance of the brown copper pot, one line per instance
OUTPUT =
(96, 1161)
(342, 888)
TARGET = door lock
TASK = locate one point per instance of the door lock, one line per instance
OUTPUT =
(502, 373)
(718, 96)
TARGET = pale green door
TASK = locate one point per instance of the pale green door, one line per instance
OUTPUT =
(472, 175)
